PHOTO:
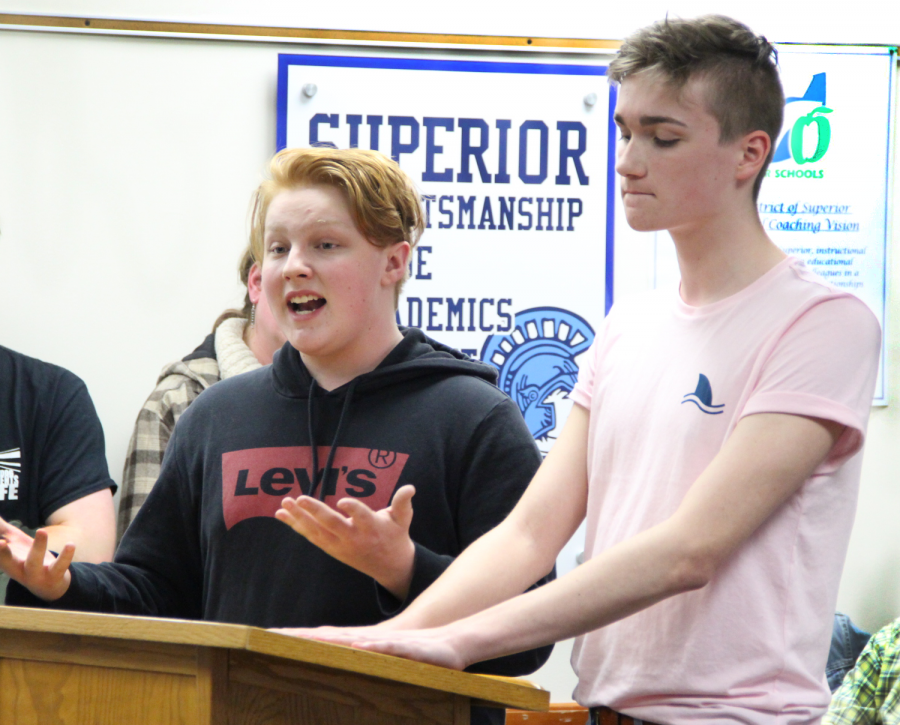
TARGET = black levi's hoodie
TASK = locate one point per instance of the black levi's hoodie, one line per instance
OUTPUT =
(206, 545)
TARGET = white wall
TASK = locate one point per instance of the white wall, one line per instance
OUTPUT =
(127, 164)
(806, 21)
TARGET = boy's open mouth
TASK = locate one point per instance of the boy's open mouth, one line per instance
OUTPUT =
(305, 304)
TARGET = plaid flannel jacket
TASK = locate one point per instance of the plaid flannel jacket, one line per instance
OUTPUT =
(870, 693)
(178, 385)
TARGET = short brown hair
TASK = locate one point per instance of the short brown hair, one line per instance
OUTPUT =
(744, 89)
(383, 202)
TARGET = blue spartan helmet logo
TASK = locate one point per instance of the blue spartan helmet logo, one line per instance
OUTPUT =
(537, 359)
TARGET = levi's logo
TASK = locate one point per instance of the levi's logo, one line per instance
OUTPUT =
(254, 481)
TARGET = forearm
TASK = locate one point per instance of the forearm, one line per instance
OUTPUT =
(89, 523)
(480, 577)
(521, 549)
(766, 460)
(106, 588)
(518, 663)
(429, 568)
(89, 547)
(396, 574)
(621, 581)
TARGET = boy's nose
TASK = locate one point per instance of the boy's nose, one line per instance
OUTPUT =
(628, 160)
(297, 265)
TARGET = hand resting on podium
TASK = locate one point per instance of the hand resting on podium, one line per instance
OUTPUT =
(422, 645)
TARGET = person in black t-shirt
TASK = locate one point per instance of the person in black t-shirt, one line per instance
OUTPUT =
(53, 471)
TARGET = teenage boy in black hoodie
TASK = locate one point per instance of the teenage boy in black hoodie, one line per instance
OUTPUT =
(375, 409)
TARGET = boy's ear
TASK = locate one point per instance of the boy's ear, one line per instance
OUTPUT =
(254, 283)
(755, 147)
(396, 261)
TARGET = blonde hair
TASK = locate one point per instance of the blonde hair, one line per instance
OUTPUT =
(383, 202)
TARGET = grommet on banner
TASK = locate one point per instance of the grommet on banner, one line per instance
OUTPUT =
(310, 89)
(590, 99)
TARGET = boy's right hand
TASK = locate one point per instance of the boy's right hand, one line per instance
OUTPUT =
(433, 646)
(28, 562)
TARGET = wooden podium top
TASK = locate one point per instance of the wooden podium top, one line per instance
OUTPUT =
(502, 691)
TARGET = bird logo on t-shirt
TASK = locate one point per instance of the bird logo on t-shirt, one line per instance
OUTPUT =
(702, 397)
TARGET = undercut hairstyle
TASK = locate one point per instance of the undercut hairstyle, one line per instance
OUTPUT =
(383, 201)
(744, 90)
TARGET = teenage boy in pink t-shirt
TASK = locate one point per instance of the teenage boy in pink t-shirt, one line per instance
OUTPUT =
(714, 447)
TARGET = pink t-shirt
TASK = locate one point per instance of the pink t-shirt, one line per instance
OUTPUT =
(665, 384)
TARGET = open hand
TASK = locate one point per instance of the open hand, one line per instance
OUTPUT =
(29, 562)
(376, 543)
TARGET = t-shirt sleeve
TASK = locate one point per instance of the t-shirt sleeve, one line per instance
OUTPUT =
(73, 459)
(584, 388)
(824, 366)
(589, 362)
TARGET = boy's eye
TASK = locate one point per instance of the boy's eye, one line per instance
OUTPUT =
(665, 143)
(327, 245)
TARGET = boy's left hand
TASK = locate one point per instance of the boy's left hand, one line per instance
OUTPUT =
(376, 543)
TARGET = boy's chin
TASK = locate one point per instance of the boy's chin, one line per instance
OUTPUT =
(304, 344)
(644, 225)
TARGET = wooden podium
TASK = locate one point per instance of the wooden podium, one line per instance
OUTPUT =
(72, 668)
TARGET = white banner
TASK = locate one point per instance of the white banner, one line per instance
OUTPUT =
(513, 161)
(825, 196)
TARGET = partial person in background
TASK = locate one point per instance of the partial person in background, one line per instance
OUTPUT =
(53, 471)
(241, 341)
(870, 693)
(847, 641)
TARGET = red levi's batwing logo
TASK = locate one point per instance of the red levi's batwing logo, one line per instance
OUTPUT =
(254, 481)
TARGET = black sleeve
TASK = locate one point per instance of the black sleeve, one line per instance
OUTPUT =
(501, 459)
(157, 569)
(73, 458)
